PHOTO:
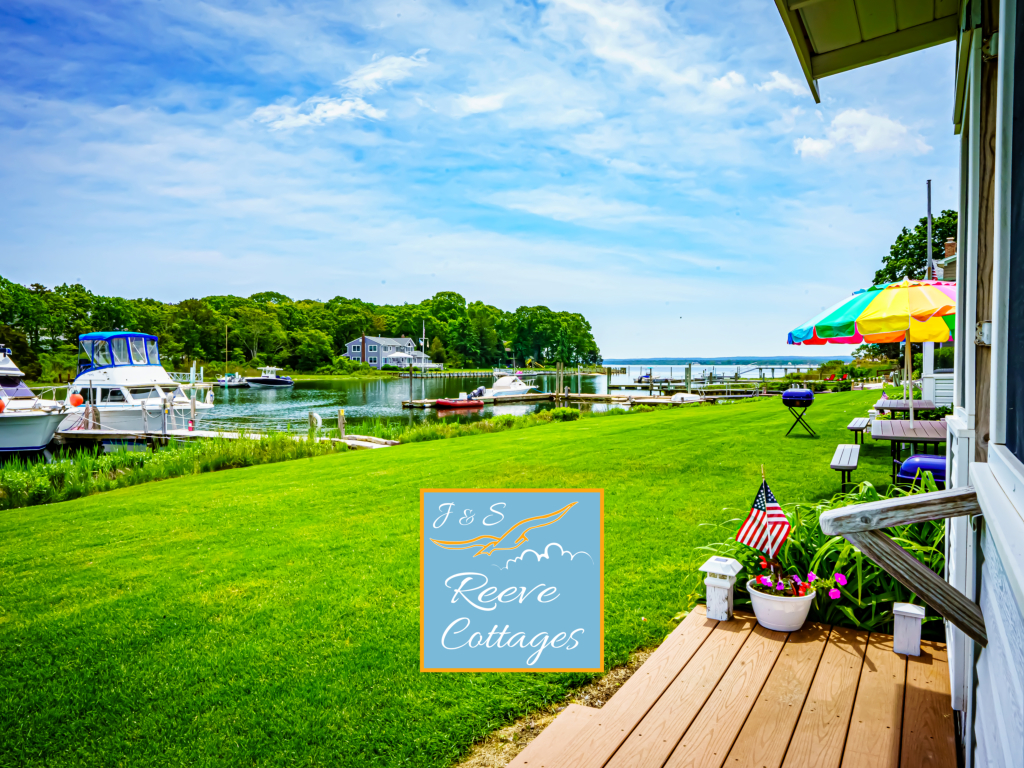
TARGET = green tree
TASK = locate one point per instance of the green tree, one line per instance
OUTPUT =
(908, 256)
(312, 350)
(437, 351)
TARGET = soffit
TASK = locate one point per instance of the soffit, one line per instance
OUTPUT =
(832, 36)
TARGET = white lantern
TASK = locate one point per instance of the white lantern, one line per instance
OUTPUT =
(907, 634)
(721, 576)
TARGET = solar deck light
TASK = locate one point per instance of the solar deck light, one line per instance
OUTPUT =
(721, 576)
(907, 637)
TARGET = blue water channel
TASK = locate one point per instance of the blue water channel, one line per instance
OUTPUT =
(367, 399)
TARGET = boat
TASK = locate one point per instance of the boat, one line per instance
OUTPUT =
(505, 386)
(27, 421)
(268, 379)
(466, 403)
(122, 386)
(232, 381)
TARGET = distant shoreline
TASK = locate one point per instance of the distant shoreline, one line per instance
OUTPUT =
(795, 360)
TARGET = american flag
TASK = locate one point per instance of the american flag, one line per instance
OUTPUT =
(766, 527)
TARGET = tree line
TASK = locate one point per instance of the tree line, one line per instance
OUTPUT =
(41, 325)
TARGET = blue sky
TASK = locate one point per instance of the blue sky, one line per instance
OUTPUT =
(661, 168)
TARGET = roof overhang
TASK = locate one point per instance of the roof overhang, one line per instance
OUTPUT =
(833, 36)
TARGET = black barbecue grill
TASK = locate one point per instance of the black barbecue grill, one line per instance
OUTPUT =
(799, 398)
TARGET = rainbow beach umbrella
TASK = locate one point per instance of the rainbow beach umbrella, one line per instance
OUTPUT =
(908, 311)
(924, 310)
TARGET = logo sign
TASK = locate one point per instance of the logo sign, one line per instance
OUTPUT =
(511, 581)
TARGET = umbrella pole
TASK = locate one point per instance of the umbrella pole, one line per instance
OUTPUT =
(910, 378)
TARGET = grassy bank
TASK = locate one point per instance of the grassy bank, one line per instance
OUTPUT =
(269, 615)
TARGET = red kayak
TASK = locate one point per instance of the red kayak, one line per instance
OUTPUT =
(458, 404)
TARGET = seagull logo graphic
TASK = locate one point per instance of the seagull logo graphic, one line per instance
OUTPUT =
(515, 536)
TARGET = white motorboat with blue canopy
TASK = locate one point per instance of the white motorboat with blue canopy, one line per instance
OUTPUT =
(27, 421)
(119, 372)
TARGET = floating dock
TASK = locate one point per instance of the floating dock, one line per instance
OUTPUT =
(587, 397)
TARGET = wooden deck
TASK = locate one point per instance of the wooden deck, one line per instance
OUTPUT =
(735, 694)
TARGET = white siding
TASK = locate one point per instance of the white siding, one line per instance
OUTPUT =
(999, 693)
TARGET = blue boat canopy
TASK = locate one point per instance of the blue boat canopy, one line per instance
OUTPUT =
(106, 349)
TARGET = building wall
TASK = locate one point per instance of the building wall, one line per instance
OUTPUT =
(999, 669)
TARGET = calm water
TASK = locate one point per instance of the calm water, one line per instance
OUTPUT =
(382, 398)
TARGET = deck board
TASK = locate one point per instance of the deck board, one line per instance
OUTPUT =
(928, 734)
(873, 740)
(766, 734)
(708, 739)
(569, 722)
(659, 732)
(820, 733)
(737, 695)
(592, 746)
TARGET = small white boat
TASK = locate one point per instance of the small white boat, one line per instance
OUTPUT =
(232, 381)
(507, 386)
(269, 379)
(27, 421)
(119, 373)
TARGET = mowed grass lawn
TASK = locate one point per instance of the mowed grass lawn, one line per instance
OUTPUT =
(270, 616)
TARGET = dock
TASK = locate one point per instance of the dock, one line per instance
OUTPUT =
(576, 398)
(154, 439)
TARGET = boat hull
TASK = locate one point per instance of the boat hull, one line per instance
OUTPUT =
(266, 384)
(27, 431)
(458, 404)
(130, 418)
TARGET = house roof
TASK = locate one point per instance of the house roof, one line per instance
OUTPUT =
(402, 342)
(833, 36)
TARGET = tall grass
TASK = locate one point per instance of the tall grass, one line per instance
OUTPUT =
(72, 475)
(868, 597)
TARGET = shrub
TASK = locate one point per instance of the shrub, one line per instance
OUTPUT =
(870, 593)
(564, 414)
(641, 409)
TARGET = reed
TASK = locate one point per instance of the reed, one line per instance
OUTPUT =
(82, 473)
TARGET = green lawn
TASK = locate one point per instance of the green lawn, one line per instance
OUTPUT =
(269, 615)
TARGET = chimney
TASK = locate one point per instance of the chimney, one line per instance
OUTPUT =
(950, 247)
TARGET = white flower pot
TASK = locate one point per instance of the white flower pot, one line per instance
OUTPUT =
(783, 614)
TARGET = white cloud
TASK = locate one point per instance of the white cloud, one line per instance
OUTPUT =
(809, 147)
(384, 71)
(728, 82)
(546, 555)
(865, 132)
(781, 82)
(474, 105)
(315, 111)
(572, 205)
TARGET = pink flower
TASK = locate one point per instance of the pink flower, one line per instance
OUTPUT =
(796, 580)
(811, 576)
(840, 580)
(780, 586)
(765, 580)
(833, 593)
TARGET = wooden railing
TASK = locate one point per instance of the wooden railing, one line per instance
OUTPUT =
(862, 524)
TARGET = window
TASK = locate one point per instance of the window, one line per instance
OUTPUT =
(154, 356)
(120, 347)
(114, 395)
(100, 353)
(371, 348)
(141, 394)
(84, 353)
(1014, 413)
(357, 347)
(138, 345)
(372, 360)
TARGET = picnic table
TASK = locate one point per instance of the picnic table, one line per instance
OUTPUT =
(899, 432)
(903, 406)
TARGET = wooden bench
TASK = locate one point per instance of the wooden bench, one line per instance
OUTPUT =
(845, 461)
(859, 427)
